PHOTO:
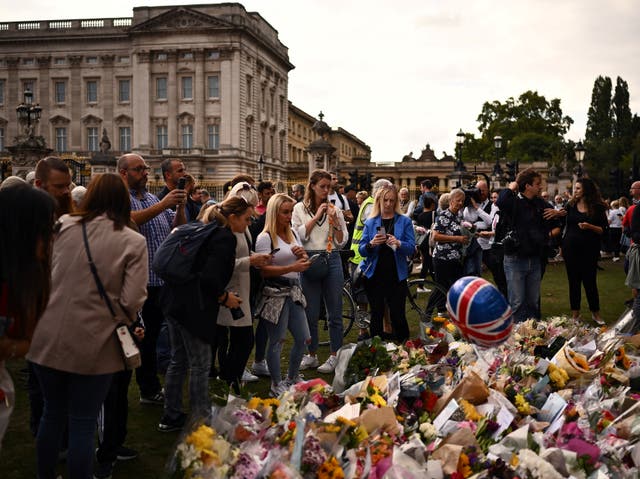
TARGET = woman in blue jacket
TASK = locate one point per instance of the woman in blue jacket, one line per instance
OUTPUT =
(387, 241)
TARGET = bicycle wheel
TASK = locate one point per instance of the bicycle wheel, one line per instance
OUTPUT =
(424, 298)
(348, 318)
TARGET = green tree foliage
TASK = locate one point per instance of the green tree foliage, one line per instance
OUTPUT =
(622, 128)
(600, 116)
(533, 126)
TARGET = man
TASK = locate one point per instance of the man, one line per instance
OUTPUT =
(154, 219)
(52, 175)
(265, 191)
(172, 171)
(297, 192)
(339, 200)
(482, 215)
(193, 205)
(532, 219)
(425, 190)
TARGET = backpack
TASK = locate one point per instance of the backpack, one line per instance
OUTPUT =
(175, 258)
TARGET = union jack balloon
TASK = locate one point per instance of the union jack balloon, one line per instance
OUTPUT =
(479, 311)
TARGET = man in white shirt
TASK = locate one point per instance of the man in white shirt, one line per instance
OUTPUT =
(339, 200)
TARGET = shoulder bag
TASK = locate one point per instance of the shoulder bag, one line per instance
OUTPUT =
(130, 352)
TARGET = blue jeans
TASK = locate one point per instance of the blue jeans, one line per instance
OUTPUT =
(189, 354)
(293, 318)
(326, 292)
(73, 400)
(523, 277)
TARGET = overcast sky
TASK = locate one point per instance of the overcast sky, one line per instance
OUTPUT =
(403, 73)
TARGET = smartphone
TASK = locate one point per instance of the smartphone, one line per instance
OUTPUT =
(274, 251)
(382, 231)
(314, 257)
(181, 183)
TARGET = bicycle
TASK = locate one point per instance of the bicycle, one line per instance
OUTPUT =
(349, 308)
(425, 297)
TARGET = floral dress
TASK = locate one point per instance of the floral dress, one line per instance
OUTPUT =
(448, 223)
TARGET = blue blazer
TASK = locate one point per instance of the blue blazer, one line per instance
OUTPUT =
(403, 230)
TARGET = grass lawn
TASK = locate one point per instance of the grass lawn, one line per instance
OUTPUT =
(17, 458)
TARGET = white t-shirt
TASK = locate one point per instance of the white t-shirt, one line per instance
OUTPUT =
(615, 217)
(284, 257)
(335, 199)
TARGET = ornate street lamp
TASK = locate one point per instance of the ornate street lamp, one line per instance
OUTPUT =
(28, 113)
(579, 151)
(459, 166)
(497, 144)
(260, 167)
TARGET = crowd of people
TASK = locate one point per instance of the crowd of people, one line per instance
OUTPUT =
(77, 264)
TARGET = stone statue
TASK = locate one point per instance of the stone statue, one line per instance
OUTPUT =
(408, 157)
(105, 144)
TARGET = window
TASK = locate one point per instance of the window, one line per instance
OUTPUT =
(186, 55)
(124, 60)
(213, 84)
(249, 138)
(92, 91)
(92, 139)
(1, 139)
(213, 55)
(264, 96)
(187, 136)
(124, 92)
(2, 83)
(214, 136)
(162, 139)
(161, 88)
(60, 61)
(92, 60)
(187, 88)
(161, 56)
(27, 61)
(61, 93)
(61, 139)
(249, 90)
(125, 138)
(273, 146)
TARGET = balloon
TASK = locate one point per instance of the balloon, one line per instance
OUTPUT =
(479, 311)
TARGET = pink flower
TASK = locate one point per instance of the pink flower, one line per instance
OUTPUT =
(589, 451)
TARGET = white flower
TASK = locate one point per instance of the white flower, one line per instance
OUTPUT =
(530, 462)
(428, 431)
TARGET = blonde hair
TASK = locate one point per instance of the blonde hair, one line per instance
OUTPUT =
(244, 190)
(381, 193)
(362, 194)
(271, 218)
(221, 211)
(443, 202)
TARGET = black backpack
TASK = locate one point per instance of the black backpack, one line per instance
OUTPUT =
(175, 258)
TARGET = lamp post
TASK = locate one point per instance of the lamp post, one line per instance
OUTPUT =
(260, 167)
(459, 165)
(28, 113)
(579, 151)
(497, 144)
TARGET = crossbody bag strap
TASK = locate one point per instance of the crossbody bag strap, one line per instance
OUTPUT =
(94, 271)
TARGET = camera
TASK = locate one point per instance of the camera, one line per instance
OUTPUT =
(236, 313)
(471, 193)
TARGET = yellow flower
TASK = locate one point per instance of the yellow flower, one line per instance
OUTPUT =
(201, 438)
(557, 375)
(439, 319)
(345, 422)
(470, 412)
(523, 406)
(377, 400)
(330, 469)
(463, 465)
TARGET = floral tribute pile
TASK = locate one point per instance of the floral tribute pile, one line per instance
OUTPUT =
(558, 400)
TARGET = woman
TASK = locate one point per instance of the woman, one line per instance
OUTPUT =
(361, 196)
(450, 242)
(26, 229)
(282, 285)
(615, 228)
(586, 222)
(321, 229)
(387, 241)
(238, 322)
(74, 349)
(192, 309)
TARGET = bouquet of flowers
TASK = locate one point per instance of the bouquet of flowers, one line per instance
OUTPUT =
(368, 358)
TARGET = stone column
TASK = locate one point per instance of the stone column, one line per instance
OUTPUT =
(75, 95)
(200, 95)
(226, 97)
(43, 96)
(173, 97)
(109, 100)
(13, 97)
(140, 100)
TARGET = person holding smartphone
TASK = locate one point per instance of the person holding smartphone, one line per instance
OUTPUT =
(281, 307)
(322, 229)
(387, 241)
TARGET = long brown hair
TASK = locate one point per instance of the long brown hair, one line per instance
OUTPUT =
(106, 195)
(309, 194)
(26, 231)
(591, 195)
(234, 205)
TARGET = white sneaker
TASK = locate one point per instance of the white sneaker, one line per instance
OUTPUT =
(247, 377)
(329, 365)
(298, 379)
(279, 389)
(422, 289)
(260, 368)
(309, 362)
(616, 258)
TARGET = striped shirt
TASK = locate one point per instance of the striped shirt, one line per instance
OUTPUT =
(155, 230)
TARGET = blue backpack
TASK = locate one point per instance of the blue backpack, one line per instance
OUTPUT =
(175, 258)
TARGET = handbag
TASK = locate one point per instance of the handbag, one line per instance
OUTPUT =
(130, 352)
(319, 269)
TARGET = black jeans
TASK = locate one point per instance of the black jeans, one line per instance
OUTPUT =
(582, 269)
(494, 259)
(112, 420)
(147, 373)
(447, 272)
(234, 361)
(394, 295)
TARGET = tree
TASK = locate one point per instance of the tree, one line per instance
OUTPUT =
(534, 127)
(622, 127)
(600, 118)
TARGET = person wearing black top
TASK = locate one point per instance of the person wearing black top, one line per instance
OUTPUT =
(586, 223)
(534, 224)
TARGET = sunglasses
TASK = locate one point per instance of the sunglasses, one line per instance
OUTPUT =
(140, 169)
